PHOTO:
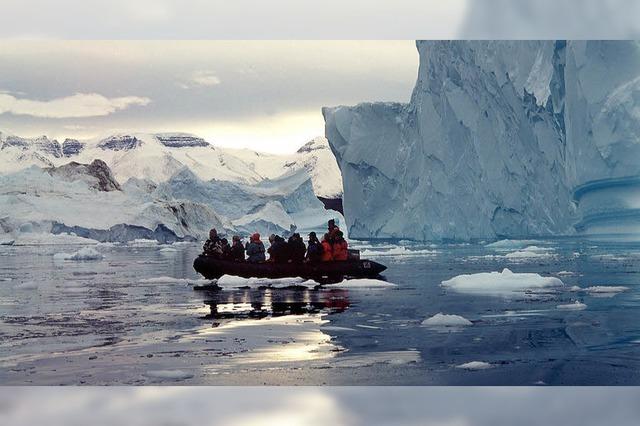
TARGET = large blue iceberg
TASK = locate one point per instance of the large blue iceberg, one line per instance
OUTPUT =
(500, 139)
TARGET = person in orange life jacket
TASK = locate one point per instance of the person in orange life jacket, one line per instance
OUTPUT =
(340, 247)
(333, 229)
(327, 252)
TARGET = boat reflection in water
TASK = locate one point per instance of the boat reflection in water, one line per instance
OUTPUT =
(267, 302)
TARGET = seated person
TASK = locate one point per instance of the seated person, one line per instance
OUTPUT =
(297, 248)
(225, 247)
(340, 247)
(314, 248)
(212, 247)
(237, 250)
(327, 250)
(255, 249)
(278, 250)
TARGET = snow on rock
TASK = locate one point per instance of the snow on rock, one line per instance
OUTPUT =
(500, 139)
(475, 365)
(575, 306)
(500, 283)
(7, 241)
(85, 253)
(444, 320)
(36, 200)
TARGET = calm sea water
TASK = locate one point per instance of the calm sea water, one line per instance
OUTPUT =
(120, 320)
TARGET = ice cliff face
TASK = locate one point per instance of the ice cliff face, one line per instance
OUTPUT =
(496, 138)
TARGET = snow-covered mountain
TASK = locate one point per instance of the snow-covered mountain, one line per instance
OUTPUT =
(160, 156)
(500, 138)
(166, 187)
(87, 200)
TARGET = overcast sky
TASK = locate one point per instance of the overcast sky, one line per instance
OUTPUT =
(264, 95)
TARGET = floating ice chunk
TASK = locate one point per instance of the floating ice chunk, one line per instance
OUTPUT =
(398, 251)
(6, 242)
(511, 244)
(504, 282)
(575, 306)
(171, 280)
(444, 320)
(231, 281)
(365, 283)
(169, 374)
(141, 242)
(85, 253)
(168, 250)
(575, 288)
(475, 365)
(530, 252)
(606, 289)
(566, 274)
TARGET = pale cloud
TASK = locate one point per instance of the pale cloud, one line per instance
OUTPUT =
(201, 78)
(75, 106)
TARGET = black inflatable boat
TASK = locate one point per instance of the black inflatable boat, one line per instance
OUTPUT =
(211, 268)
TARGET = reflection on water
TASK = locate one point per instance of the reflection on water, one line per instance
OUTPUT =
(266, 302)
(134, 318)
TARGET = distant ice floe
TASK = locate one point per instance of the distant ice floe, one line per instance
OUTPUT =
(85, 253)
(566, 274)
(606, 289)
(364, 283)
(500, 283)
(173, 375)
(171, 280)
(530, 252)
(506, 245)
(475, 365)
(575, 306)
(398, 251)
(141, 242)
(444, 320)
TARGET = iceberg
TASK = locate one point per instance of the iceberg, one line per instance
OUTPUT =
(501, 139)
(500, 283)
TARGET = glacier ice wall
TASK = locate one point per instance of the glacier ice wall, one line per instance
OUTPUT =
(496, 138)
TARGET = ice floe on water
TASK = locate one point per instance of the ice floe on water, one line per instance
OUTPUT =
(530, 252)
(506, 245)
(500, 283)
(575, 306)
(444, 320)
(475, 365)
(566, 274)
(231, 281)
(85, 253)
(364, 283)
(399, 251)
(606, 289)
(171, 280)
(173, 375)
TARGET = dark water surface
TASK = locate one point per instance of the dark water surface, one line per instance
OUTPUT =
(116, 321)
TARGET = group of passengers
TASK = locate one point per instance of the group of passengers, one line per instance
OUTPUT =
(332, 247)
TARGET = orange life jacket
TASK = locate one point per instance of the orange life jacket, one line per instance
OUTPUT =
(340, 251)
(327, 253)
